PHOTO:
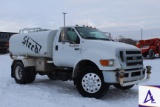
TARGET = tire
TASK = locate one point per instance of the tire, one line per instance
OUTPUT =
(22, 76)
(151, 54)
(95, 88)
(19, 73)
(118, 86)
(31, 75)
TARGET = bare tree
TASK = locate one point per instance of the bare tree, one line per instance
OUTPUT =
(128, 41)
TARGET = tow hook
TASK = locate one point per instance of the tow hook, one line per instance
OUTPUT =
(121, 75)
(148, 71)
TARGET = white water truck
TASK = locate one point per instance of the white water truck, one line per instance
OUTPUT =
(82, 54)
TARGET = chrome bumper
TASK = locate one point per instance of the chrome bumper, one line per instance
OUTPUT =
(121, 77)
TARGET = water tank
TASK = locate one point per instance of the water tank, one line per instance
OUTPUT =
(37, 44)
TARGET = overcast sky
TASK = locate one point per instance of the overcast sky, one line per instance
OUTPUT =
(120, 17)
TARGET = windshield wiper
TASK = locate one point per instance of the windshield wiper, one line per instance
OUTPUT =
(104, 39)
(90, 37)
(97, 38)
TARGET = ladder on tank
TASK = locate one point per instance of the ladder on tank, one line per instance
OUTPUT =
(29, 30)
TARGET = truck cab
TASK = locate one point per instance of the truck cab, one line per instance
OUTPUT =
(82, 54)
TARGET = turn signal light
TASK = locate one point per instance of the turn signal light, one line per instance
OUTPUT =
(104, 62)
(107, 62)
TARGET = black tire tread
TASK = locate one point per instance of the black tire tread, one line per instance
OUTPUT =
(28, 76)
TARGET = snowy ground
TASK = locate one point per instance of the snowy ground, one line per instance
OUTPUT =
(46, 93)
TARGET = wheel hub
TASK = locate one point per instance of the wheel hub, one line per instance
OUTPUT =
(91, 82)
(18, 72)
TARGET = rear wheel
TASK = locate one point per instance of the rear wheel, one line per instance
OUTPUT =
(31, 75)
(19, 73)
(22, 76)
(90, 83)
(118, 86)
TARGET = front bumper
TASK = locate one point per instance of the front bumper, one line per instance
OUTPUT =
(126, 78)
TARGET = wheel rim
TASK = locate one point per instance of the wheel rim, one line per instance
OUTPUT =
(91, 83)
(18, 72)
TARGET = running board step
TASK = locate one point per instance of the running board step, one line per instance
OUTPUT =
(63, 68)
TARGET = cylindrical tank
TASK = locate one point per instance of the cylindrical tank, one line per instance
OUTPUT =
(37, 44)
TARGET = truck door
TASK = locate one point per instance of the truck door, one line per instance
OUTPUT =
(67, 49)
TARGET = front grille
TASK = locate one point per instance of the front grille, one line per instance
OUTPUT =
(133, 52)
(134, 58)
(131, 61)
(131, 58)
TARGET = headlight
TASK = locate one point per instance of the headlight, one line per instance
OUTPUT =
(109, 62)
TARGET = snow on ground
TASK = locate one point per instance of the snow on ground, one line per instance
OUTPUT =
(46, 93)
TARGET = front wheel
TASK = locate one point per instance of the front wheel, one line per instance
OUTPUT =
(90, 83)
(118, 86)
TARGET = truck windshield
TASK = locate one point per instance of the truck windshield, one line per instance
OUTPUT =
(91, 33)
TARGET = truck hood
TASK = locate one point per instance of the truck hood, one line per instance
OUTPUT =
(108, 44)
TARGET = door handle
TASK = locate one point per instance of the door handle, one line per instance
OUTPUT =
(76, 48)
(56, 47)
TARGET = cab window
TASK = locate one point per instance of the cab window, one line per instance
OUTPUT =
(69, 35)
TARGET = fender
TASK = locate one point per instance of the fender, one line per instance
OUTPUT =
(27, 61)
(95, 56)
